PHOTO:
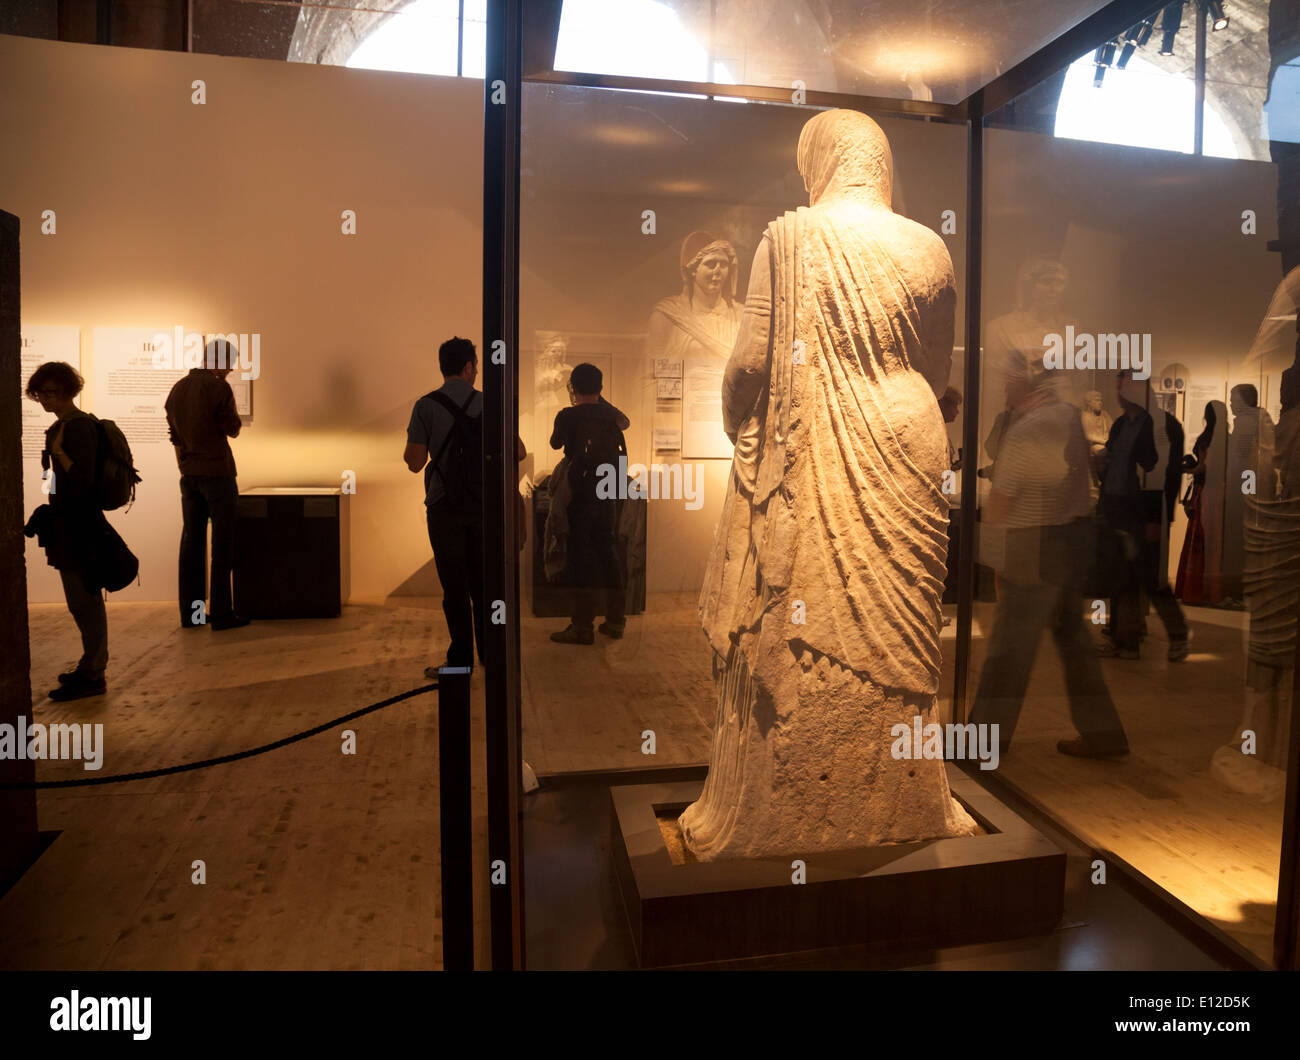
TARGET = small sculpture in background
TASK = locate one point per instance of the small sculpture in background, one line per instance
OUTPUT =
(1096, 428)
(552, 368)
(703, 319)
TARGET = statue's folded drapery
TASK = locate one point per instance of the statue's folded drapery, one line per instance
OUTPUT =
(835, 485)
(821, 598)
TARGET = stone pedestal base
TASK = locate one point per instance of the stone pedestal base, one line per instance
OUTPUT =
(1007, 882)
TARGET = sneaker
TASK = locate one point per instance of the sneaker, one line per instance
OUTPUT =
(69, 677)
(570, 634)
(613, 632)
(1083, 749)
(1180, 649)
(78, 689)
(229, 622)
(1108, 649)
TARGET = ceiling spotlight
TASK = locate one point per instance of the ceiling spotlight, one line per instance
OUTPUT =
(1102, 58)
(1171, 19)
(1139, 33)
(1216, 13)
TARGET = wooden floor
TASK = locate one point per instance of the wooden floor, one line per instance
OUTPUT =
(1160, 809)
(314, 859)
(320, 860)
(586, 707)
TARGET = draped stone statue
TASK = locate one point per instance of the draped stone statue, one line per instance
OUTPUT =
(821, 599)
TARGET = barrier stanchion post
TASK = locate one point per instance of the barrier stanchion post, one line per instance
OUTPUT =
(456, 819)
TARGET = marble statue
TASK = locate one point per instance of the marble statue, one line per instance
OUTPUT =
(695, 328)
(702, 320)
(1096, 428)
(551, 370)
(821, 598)
(1040, 291)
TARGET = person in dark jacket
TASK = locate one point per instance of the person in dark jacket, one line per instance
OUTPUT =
(590, 431)
(201, 418)
(1137, 509)
(74, 522)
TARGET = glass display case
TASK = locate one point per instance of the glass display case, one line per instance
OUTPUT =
(1117, 595)
(890, 525)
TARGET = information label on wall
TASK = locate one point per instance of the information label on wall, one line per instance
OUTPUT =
(702, 434)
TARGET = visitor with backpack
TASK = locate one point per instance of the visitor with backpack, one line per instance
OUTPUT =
(201, 420)
(590, 431)
(83, 463)
(445, 440)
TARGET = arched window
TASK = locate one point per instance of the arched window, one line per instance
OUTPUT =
(633, 38)
(1140, 105)
(428, 37)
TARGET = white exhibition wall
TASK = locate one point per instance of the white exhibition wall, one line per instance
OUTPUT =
(226, 216)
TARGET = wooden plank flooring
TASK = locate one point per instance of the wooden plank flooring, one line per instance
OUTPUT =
(1160, 810)
(320, 860)
(314, 859)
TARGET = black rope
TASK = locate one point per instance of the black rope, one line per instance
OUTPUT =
(223, 759)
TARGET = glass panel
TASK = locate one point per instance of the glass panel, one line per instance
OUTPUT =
(1252, 91)
(628, 200)
(1121, 517)
(899, 49)
(1136, 89)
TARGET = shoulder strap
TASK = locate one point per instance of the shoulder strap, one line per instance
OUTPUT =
(457, 411)
(458, 416)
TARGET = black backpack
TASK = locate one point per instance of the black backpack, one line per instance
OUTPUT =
(115, 473)
(597, 443)
(462, 473)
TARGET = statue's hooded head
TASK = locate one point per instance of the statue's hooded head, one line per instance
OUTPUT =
(844, 151)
